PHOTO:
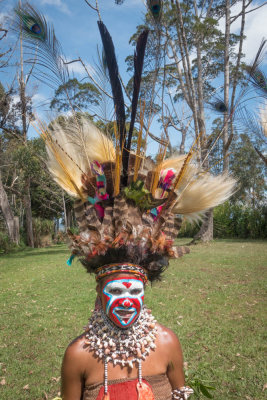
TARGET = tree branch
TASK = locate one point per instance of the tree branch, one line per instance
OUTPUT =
(96, 8)
(90, 76)
(235, 17)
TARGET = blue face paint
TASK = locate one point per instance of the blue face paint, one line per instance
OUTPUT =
(123, 300)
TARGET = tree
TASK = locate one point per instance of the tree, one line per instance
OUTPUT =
(250, 171)
(81, 96)
(12, 221)
(193, 52)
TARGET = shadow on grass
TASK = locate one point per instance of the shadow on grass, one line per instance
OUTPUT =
(37, 252)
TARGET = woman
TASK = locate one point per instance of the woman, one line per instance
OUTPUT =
(150, 366)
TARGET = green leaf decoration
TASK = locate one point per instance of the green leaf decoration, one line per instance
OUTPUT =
(141, 196)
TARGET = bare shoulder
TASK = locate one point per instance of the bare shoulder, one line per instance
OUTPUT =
(77, 351)
(167, 337)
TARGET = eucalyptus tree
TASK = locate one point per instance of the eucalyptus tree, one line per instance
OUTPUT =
(193, 54)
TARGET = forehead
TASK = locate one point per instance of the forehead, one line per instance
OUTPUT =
(124, 283)
(119, 276)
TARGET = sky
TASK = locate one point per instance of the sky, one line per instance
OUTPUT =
(75, 24)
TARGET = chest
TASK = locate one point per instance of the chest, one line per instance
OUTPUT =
(155, 364)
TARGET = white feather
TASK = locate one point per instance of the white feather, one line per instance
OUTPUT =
(205, 192)
(73, 149)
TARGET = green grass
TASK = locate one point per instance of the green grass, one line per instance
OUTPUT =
(212, 298)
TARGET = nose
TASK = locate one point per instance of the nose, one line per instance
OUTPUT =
(127, 303)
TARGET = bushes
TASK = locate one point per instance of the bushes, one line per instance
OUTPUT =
(233, 221)
(5, 244)
(238, 221)
(43, 230)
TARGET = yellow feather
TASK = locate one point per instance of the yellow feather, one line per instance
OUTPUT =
(68, 158)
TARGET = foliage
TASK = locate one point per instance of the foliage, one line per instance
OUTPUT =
(42, 227)
(81, 96)
(28, 161)
(200, 387)
(60, 237)
(6, 246)
(239, 221)
(250, 171)
(234, 220)
(245, 165)
(188, 229)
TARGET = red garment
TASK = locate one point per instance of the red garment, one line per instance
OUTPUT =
(126, 391)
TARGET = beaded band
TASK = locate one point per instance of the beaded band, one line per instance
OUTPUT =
(182, 394)
(109, 269)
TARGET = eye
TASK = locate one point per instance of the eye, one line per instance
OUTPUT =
(136, 291)
(115, 292)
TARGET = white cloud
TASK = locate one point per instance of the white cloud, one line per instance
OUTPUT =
(39, 100)
(58, 3)
(3, 16)
(78, 69)
(127, 4)
(255, 28)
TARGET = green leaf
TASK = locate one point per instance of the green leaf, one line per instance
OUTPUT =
(205, 391)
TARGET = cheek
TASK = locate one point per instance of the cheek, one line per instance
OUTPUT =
(137, 303)
(105, 300)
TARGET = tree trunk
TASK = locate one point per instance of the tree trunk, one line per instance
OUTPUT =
(65, 212)
(226, 84)
(27, 194)
(69, 216)
(28, 213)
(11, 221)
(205, 234)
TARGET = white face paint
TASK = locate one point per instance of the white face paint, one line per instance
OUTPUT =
(123, 300)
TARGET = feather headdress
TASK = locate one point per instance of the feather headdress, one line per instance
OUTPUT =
(128, 207)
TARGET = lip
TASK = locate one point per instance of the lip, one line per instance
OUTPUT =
(125, 313)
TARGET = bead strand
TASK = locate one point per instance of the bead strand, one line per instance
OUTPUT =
(106, 376)
(182, 394)
(140, 371)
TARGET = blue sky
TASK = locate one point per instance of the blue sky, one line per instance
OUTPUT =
(76, 28)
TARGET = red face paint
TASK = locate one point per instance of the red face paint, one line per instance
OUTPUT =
(123, 300)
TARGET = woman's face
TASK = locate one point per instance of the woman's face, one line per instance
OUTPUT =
(122, 297)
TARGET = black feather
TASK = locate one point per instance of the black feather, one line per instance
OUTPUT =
(114, 79)
(138, 68)
(116, 90)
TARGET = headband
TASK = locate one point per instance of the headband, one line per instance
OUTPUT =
(109, 269)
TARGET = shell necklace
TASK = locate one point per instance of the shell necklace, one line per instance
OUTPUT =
(121, 346)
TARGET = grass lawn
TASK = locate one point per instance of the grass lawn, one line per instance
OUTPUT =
(213, 299)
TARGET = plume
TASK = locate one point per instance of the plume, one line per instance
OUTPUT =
(155, 8)
(198, 191)
(43, 46)
(138, 68)
(61, 142)
(110, 59)
(255, 75)
(218, 105)
(206, 191)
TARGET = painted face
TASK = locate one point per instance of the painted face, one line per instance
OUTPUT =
(123, 300)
